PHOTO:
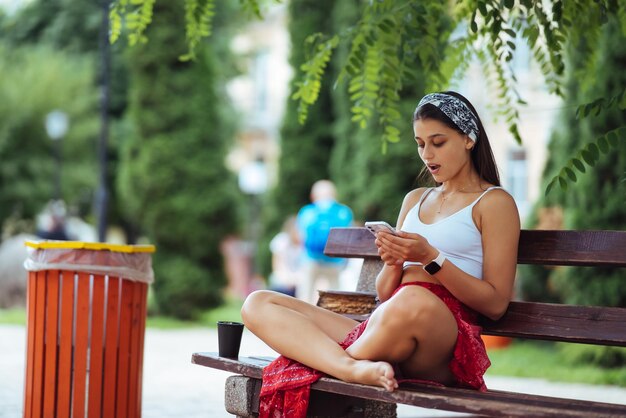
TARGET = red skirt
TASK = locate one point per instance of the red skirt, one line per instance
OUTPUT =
(287, 383)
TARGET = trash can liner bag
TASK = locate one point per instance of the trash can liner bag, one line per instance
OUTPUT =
(133, 262)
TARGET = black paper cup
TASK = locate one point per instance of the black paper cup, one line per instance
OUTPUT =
(229, 338)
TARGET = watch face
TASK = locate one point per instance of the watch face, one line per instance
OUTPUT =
(432, 267)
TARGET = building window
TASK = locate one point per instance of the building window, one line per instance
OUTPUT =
(517, 179)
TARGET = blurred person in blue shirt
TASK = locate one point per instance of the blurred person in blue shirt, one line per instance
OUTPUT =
(314, 223)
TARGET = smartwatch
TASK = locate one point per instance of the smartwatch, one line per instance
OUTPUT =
(435, 265)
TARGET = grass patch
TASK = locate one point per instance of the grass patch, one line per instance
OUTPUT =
(546, 361)
(229, 311)
(13, 316)
(165, 322)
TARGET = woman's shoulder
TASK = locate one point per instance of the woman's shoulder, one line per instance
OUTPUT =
(497, 195)
(497, 201)
(414, 196)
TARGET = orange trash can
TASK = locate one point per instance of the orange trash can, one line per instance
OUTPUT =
(86, 315)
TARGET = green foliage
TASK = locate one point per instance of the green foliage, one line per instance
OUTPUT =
(392, 38)
(597, 203)
(371, 182)
(601, 356)
(74, 26)
(198, 24)
(70, 25)
(488, 29)
(35, 81)
(172, 175)
(137, 15)
(308, 90)
(554, 362)
(591, 152)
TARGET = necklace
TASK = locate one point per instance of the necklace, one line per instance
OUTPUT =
(444, 197)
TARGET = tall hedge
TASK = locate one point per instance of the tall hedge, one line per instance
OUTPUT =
(74, 27)
(598, 199)
(172, 176)
(35, 81)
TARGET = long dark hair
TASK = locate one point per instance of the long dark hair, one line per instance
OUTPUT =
(481, 154)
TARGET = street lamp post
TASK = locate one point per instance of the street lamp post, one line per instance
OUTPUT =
(253, 182)
(57, 124)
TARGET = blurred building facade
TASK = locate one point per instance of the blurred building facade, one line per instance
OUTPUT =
(260, 93)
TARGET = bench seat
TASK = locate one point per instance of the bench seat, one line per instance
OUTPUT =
(491, 403)
(529, 320)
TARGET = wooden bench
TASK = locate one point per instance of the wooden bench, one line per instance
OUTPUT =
(556, 322)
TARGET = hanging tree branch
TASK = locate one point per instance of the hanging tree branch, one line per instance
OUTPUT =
(393, 37)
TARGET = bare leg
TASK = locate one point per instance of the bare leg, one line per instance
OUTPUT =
(310, 335)
(414, 329)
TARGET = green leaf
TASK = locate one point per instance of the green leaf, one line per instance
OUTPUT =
(563, 183)
(603, 144)
(474, 26)
(593, 149)
(613, 138)
(482, 7)
(588, 158)
(570, 173)
(509, 4)
(550, 186)
(579, 165)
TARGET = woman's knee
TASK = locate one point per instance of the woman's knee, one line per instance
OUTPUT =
(253, 304)
(410, 307)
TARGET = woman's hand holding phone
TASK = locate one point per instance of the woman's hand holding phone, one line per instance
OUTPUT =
(375, 226)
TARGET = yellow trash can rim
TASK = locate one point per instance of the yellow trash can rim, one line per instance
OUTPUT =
(133, 262)
(97, 246)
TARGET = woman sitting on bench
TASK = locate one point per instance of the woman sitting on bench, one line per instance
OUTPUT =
(454, 254)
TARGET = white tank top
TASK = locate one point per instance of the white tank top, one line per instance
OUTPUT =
(456, 236)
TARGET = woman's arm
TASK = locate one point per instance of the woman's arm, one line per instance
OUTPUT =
(390, 275)
(499, 223)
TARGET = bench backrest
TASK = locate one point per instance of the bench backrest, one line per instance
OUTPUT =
(584, 324)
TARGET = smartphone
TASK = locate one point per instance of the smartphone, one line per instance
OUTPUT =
(375, 226)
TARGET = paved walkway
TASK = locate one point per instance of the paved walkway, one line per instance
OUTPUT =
(173, 387)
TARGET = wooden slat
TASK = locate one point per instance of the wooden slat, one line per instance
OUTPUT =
(81, 339)
(564, 248)
(96, 353)
(51, 343)
(64, 381)
(110, 346)
(546, 321)
(123, 356)
(350, 243)
(494, 403)
(134, 403)
(31, 304)
(142, 333)
(40, 323)
(588, 248)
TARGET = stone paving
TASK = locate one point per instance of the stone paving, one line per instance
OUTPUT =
(173, 387)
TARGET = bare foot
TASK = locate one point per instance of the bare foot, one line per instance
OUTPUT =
(377, 373)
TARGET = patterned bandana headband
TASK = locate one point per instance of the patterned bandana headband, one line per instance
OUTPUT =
(456, 110)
